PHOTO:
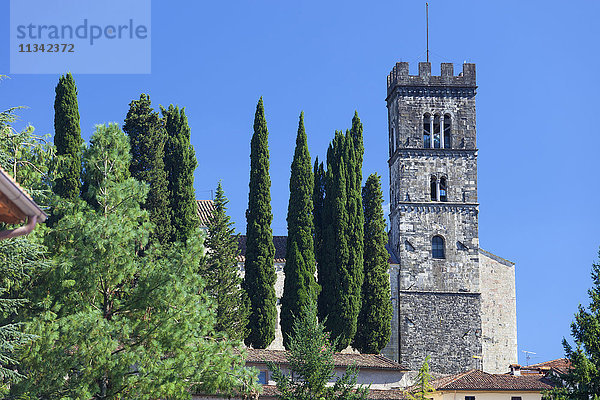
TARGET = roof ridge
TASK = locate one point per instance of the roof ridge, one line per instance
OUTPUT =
(547, 362)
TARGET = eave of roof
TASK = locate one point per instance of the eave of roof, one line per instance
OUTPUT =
(476, 380)
(363, 361)
(19, 198)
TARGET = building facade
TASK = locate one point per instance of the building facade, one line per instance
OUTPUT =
(444, 287)
(452, 300)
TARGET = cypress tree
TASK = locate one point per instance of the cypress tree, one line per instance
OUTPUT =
(221, 275)
(299, 289)
(147, 138)
(67, 139)
(259, 278)
(318, 203)
(180, 163)
(373, 327)
(351, 297)
(340, 253)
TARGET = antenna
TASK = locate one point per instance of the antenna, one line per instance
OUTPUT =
(479, 362)
(427, 24)
(528, 355)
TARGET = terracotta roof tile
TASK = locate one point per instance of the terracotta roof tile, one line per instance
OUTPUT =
(270, 391)
(369, 361)
(479, 380)
(560, 365)
(205, 210)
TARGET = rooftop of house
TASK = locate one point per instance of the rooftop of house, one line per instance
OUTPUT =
(205, 210)
(560, 365)
(270, 392)
(280, 243)
(476, 380)
(15, 203)
(363, 361)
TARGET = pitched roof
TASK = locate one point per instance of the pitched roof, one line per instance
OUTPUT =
(280, 243)
(479, 380)
(560, 365)
(369, 361)
(205, 210)
(270, 391)
(15, 203)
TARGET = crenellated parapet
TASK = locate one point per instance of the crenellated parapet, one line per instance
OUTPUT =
(399, 76)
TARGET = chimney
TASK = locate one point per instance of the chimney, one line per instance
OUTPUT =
(515, 369)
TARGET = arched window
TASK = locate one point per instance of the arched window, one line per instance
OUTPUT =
(437, 247)
(393, 139)
(433, 188)
(436, 132)
(443, 190)
(447, 132)
(427, 131)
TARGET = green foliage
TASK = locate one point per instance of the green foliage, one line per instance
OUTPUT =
(147, 139)
(300, 287)
(422, 388)
(318, 204)
(310, 357)
(180, 163)
(583, 380)
(374, 320)
(107, 162)
(220, 271)
(259, 279)
(27, 158)
(341, 236)
(20, 258)
(117, 322)
(67, 139)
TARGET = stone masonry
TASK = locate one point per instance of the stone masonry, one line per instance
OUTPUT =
(441, 310)
(458, 308)
(498, 312)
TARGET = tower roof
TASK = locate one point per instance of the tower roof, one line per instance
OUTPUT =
(399, 76)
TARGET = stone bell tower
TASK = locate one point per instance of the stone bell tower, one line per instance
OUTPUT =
(434, 217)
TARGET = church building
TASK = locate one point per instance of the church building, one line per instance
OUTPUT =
(452, 300)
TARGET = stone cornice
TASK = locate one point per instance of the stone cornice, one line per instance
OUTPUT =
(436, 207)
(432, 153)
(431, 91)
(421, 292)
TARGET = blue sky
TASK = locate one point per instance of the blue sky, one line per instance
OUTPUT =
(536, 69)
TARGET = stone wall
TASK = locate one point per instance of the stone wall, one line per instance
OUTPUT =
(498, 312)
(391, 350)
(444, 326)
(414, 226)
(411, 171)
(439, 302)
(277, 343)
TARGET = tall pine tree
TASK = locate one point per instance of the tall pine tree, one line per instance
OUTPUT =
(300, 287)
(117, 322)
(67, 139)
(180, 163)
(27, 158)
(147, 138)
(220, 273)
(374, 320)
(259, 278)
(341, 228)
(582, 381)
